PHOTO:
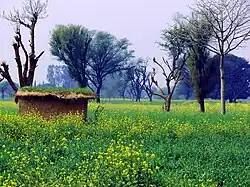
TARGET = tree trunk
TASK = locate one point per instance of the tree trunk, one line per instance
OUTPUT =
(202, 104)
(122, 94)
(2, 94)
(138, 96)
(167, 104)
(6, 74)
(150, 98)
(98, 92)
(32, 68)
(222, 81)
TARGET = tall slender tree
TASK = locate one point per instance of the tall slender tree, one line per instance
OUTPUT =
(203, 71)
(230, 24)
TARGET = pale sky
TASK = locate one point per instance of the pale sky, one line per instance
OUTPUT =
(141, 21)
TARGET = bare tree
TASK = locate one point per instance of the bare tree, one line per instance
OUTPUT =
(32, 11)
(173, 70)
(230, 24)
(123, 83)
(175, 75)
(138, 76)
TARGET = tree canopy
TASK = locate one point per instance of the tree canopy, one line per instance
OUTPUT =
(70, 44)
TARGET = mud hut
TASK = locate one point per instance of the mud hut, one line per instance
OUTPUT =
(49, 102)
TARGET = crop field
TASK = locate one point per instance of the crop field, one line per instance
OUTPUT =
(127, 144)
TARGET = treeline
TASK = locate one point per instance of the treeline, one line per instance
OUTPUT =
(198, 62)
(132, 85)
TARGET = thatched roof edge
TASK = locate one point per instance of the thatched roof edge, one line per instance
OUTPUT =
(56, 95)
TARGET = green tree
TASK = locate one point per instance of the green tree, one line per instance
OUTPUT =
(3, 88)
(6, 89)
(184, 90)
(237, 76)
(70, 44)
(138, 77)
(229, 22)
(107, 55)
(202, 69)
(204, 77)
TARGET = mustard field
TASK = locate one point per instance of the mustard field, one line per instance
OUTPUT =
(127, 144)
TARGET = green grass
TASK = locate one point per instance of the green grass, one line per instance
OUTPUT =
(57, 90)
(130, 144)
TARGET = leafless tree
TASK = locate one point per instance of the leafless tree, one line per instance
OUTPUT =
(175, 74)
(230, 24)
(27, 18)
(138, 77)
(172, 70)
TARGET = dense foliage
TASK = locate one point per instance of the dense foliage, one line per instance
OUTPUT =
(237, 78)
(130, 145)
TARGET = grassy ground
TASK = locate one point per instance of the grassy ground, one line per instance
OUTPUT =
(129, 144)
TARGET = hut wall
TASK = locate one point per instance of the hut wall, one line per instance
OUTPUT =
(49, 108)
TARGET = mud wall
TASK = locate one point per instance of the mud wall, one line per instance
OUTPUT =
(50, 108)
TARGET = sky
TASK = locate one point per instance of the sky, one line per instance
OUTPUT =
(140, 21)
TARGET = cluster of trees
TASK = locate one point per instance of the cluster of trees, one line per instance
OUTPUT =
(198, 62)
(214, 26)
(91, 56)
(237, 79)
(126, 83)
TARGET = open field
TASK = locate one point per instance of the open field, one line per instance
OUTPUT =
(129, 145)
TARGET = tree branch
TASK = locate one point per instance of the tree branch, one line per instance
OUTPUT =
(5, 74)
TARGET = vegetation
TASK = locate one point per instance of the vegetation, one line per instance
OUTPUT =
(173, 70)
(130, 144)
(5, 89)
(56, 90)
(27, 18)
(137, 78)
(90, 55)
(229, 22)
(202, 69)
(70, 44)
(107, 55)
(126, 143)
(237, 78)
